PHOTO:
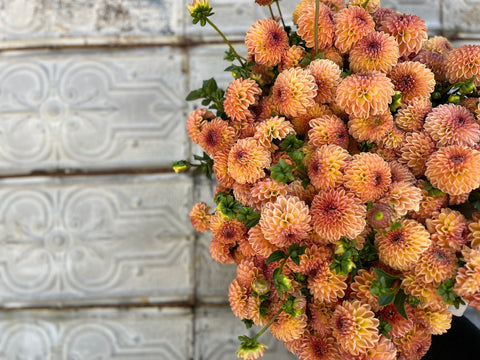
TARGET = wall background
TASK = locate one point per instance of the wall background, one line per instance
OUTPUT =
(96, 259)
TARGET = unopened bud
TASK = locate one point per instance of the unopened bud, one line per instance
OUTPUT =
(261, 286)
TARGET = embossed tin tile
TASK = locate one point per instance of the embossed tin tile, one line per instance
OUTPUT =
(77, 22)
(92, 109)
(461, 18)
(95, 240)
(216, 336)
(94, 334)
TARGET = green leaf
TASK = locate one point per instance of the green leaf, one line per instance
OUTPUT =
(194, 95)
(385, 278)
(248, 216)
(291, 143)
(248, 323)
(281, 172)
(386, 299)
(295, 250)
(396, 225)
(276, 256)
(400, 299)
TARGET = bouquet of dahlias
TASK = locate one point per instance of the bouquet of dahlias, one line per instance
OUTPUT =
(342, 151)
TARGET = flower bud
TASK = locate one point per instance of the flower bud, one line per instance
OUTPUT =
(261, 286)
(181, 166)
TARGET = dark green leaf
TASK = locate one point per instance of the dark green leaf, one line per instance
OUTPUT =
(194, 95)
(281, 172)
(248, 323)
(386, 299)
(400, 299)
(276, 256)
(385, 278)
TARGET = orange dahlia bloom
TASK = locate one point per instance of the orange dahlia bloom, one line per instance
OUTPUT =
(401, 172)
(434, 62)
(196, 120)
(243, 194)
(364, 94)
(301, 122)
(268, 190)
(401, 248)
(315, 347)
(413, 80)
(274, 128)
(410, 32)
(200, 217)
(334, 5)
(247, 273)
(403, 197)
(414, 344)
(463, 63)
(454, 169)
(399, 324)
(361, 286)
(294, 92)
(226, 230)
(451, 124)
(238, 298)
(351, 24)
(239, 96)
(385, 153)
(220, 167)
(298, 10)
(375, 51)
(306, 194)
(429, 203)
(474, 233)
(220, 252)
(320, 317)
(426, 292)
(448, 228)
(367, 176)
(306, 26)
(292, 57)
(416, 151)
(259, 244)
(337, 213)
(458, 199)
(285, 221)
(326, 285)
(438, 44)
(327, 76)
(411, 116)
(267, 42)
(288, 328)
(314, 256)
(370, 128)
(437, 322)
(394, 139)
(355, 327)
(372, 5)
(468, 277)
(436, 265)
(327, 129)
(325, 168)
(247, 159)
(382, 14)
(216, 136)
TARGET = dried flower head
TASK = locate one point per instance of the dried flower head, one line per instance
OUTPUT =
(267, 41)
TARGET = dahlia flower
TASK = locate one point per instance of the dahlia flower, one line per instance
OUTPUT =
(438, 44)
(413, 80)
(463, 63)
(327, 129)
(325, 167)
(216, 136)
(247, 159)
(306, 26)
(327, 76)
(326, 285)
(370, 128)
(416, 151)
(410, 32)
(267, 41)
(239, 96)
(351, 24)
(200, 217)
(375, 51)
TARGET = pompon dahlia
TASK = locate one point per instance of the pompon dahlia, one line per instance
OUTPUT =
(247, 273)
(434, 62)
(468, 277)
(355, 327)
(380, 216)
(239, 96)
(361, 286)
(458, 199)
(400, 325)
(414, 344)
(220, 252)
(326, 285)
(298, 10)
(401, 172)
(325, 167)
(410, 32)
(337, 213)
(451, 124)
(454, 169)
(383, 350)
(301, 122)
(327, 129)
(375, 51)
(216, 136)
(314, 256)
(243, 194)
(238, 298)
(437, 322)
(430, 202)
(365, 94)
(367, 176)
(351, 24)
(200, 217)
(448, 228)
(463, 63)
(226, 230)
(292, 57)
(268, 190)
(196, 120)
(327, 76)
(294, 92)
(436, 265)
(267, 41)
(413, 80)
(401, 248)
(320, 317)
(474, 234)
(394, 139)
(247, 159)
(372, 5)
(385, 153)
(316, 347)
(274, 128)
(285, 221)
(382, 14)
(305, 194)
(326, 27)
(371, 128)
(438, 44)
(411, 116)
(259, 244)
(415, 152)
(334, 55)
(403, 197)
(220, 167)
(288, 328)
(426, 292)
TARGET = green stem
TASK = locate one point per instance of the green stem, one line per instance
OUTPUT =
(280, 12)
(271, 12)
(267, 325)
(315, 34)
(239, 58)
(365, 4)
(282, 265)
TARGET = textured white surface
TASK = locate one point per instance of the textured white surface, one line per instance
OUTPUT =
(461, 18)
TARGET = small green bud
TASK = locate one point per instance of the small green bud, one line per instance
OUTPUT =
(181, 166)
(454, 99)
(261, 286)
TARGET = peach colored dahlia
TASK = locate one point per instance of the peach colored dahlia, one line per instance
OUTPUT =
(238, 298)
(372, 5)
(294, 92)
(429, 204)
(267, 41)
(380, 216)
(463, 63)
(200, 217)
(326, 285)
(375, 51)
(451, 124)
(320, 317)
(436, 265)
(306, 26)
(401, 172)
(437, 322)
(301, 122)
(226, 230)
(196, 120)
(448, 228)
(454, 169)
(367, 176)
(337, 213)
(403, 197)
(327, 129)
(434, 62)
(351, 24)
(438, 44)
(220, 167)
(411, 116)
(371, 128)
(239, 96)
(316, 347)
(414, 344)
(268, 190)
(247, 159)
(327, 76)
(413, 80)
(325, 167)
(361, 286)
(410, 32)
(220, 252)
(394, 139)
(292, 57)
(259, 244)
(416, 151)
(274, 128)
(426, 292)
(287, 327)
(401, 248)
(399, 324)
(216, 136)
(364, 94)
